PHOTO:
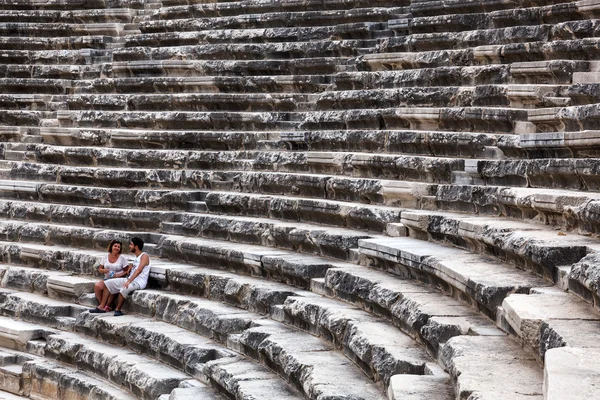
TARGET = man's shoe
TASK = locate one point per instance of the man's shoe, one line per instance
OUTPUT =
(96, 311)
(118, 313)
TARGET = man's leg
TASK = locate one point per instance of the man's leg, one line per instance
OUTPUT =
(120, 302)
(123, 294)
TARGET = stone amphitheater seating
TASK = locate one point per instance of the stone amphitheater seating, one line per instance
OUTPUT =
(342, 199)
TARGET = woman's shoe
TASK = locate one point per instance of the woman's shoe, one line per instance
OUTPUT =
(118, 313)
(97, 311)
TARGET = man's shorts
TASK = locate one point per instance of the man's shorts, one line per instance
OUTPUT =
(115, 286)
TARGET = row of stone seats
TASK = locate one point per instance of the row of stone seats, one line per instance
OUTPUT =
(31, 376)
(386, 166)
(221, 322)
(427, 8)
(518, 96)
(376, 17)
(295, 305)
(31, 5)
(196, 9)
(101, 15)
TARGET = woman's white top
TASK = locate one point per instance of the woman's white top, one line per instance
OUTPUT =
(115, 267)
(142, 278)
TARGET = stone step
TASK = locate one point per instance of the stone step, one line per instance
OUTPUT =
(209, 84)
(169, 344)
(363, 190)
(434, 143)
(56, 284)
(516, 374)
(435, 316)
(473, 38)
(564, 119)
(382, 353)
(545, 14)
(582, 279)
(537, 51)
(448, 96)
(244, 379)
(569, 210)
(68, 4)
(115, 202)
(139, 374)
(303, 237)
(243, 51)
(301, 18)
(245, 102)
(536, 248)
(408, 167)
(470, 119)
(54, 43)
(251, 338)
(174, 9)
(58, 29)
(157, 64)
(426, 8)
(31, 85)
(550, 319)
(81, 56)
(284, 265)
(378, 77)
(552, 173)
(479, 280)
(473, 119)
(35, 377)
(98, 196)
(218, 120)
(190, 32)
(351, 215)
(411, 387)
(101, 15)
(155, 139)
(566, 373)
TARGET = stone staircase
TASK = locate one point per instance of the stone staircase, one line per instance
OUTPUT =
(342, 199)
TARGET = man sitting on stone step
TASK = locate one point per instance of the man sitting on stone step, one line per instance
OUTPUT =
(138, 279)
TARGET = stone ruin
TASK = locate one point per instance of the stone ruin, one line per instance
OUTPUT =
(343, 199)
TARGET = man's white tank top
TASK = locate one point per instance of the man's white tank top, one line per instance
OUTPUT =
(142, 278)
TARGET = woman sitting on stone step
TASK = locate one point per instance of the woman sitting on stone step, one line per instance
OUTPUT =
(113, 265)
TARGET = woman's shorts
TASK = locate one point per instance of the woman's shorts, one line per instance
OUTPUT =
(115, 286)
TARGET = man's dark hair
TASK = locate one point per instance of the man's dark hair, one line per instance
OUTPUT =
(138, 242)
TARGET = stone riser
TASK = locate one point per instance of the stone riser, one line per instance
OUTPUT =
(426, 8)
(567, 174)
(450, 144)
(296, 84)
(245, 19)
(157, 64)
(176, 9)
(114, 15)
(540, 250)
(267, 37)
(388, 166)
(551, 14)
(68, 4)
(259, 51)
(385, 192)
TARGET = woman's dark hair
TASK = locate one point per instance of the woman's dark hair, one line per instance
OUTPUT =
(138, 242)
(112, 243)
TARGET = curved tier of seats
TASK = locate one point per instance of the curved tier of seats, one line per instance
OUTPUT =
(342, 199)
